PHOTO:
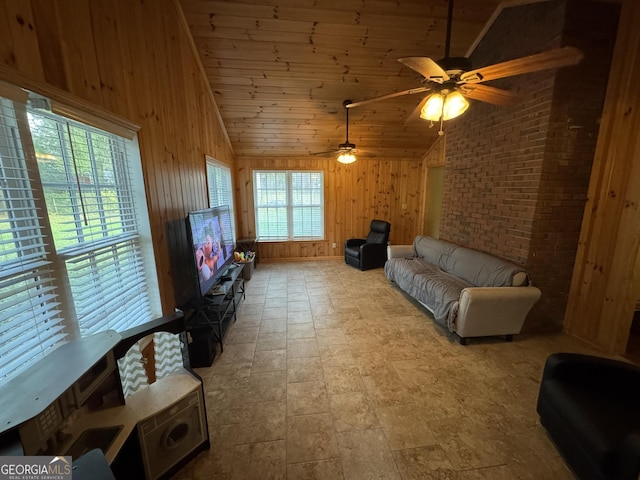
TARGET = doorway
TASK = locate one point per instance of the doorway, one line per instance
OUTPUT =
(433, 208)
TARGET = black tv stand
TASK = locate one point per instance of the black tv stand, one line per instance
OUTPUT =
(227, 276)
(211, 315)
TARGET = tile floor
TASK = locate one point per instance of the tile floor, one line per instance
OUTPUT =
(332, 373)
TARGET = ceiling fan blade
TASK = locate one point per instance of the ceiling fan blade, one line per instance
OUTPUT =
(363, 153)
(559, 57)
(426, 67)
(411, 91)
(415, 115)
(485, 93)
(328, 152)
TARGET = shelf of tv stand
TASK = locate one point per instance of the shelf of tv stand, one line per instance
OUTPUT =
(214, 313)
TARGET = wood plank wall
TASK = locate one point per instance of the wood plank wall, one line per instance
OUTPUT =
(388, 189)
(605, 281)
(134, 59)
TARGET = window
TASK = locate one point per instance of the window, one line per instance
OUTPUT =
(220, 190)
(75, 250)
(289, 205)
(87, 182)
(30, 321)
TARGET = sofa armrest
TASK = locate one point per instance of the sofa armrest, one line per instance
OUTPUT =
(485, 311)
(373, 248)
(400, 251)
(373, 255)
(614, 375)
(354, 242)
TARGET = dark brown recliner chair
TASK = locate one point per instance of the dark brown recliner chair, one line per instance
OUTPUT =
(591, 408)
(371, 252)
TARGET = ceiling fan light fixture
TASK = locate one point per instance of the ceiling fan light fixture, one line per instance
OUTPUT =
(454, 105)
(446, 105)
(432, 110)
(346, 157)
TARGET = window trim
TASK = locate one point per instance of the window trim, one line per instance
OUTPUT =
(289, 206)
(50, 296)
(93, 252)
(68, 327)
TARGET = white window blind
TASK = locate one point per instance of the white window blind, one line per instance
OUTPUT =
(220, 188)
(307, 204)
(30, 322)
(75, 250)
(289, 205)
(87, 183)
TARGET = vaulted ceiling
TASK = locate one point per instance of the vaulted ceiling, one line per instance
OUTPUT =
(281, 69)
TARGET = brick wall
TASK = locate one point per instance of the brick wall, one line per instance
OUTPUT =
(516, 177)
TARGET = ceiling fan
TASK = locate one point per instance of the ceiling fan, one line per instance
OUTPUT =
(452, 80)
(346, 151)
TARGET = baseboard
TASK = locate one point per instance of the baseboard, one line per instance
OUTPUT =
(299, 259)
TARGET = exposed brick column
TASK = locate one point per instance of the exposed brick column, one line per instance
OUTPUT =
(516, 177)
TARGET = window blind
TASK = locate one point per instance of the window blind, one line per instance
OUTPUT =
(271, 199)
(307, 200)
(30, 322)
(108, 288)
(86, 178)
(220, 188)
(289, 205)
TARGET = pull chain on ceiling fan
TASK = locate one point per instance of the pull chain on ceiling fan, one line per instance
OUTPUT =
(452, 80)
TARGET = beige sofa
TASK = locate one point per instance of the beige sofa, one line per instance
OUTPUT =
(472, 293)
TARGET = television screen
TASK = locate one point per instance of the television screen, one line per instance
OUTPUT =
(211, 239)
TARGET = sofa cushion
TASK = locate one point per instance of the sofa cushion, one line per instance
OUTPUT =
(484, 270)
(428, 284)
(475, 267)
(434, 251)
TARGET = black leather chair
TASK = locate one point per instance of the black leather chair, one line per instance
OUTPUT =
(591, 408)
(371, 252)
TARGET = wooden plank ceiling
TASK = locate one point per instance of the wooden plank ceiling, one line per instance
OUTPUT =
(281, 69)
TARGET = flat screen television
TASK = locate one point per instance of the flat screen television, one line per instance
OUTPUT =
(211, 240)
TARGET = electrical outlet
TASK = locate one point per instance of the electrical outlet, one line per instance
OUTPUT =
(333, 245)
